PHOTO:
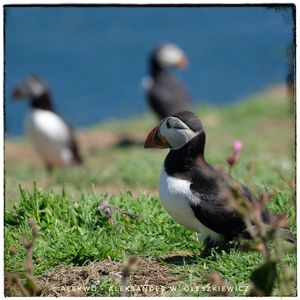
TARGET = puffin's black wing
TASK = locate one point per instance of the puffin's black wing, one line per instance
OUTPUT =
(74, 148)
(218, 218)
(168, 96)
(73, 145)
(212, 211)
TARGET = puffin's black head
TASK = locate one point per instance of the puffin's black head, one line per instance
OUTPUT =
(31, 87)
(175, 132)
(168, 56)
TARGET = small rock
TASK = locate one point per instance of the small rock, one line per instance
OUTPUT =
(103, 272)
(84, 274)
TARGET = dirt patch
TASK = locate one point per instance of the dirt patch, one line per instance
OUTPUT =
(148, 278)
(16, 153)
(276, 93)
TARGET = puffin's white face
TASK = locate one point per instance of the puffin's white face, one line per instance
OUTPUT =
(175, 133)
(31, 87)
(170, 56)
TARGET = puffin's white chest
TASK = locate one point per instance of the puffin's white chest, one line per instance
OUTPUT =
(176, 197)
(50, 136)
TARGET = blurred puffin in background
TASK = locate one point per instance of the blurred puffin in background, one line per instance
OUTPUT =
(166, 94)
(191, 190)
(53, 138)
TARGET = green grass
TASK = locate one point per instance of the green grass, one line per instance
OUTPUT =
(77, 232)
(72, 231)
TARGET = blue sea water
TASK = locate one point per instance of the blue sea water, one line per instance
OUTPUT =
(94, 58)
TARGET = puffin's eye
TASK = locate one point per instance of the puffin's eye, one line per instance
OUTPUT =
(168, 124)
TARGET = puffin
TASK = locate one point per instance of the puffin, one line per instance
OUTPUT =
(52, 136)
(166, 94)
(191, 189)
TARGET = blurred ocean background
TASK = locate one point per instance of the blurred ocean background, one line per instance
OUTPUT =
(94, 58)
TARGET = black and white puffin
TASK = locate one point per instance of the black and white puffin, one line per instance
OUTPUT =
(189, 187)
(53, 138)
(166, 94)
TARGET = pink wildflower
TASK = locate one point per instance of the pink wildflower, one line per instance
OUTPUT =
(237, 147)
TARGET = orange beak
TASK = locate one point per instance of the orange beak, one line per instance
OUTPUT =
(183, 62)
(154, 141)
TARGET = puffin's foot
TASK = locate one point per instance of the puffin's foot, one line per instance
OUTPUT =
(210, 245)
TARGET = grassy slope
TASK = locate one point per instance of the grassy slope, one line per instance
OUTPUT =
(72, 231)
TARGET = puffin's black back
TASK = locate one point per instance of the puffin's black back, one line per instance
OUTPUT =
(167, 95)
